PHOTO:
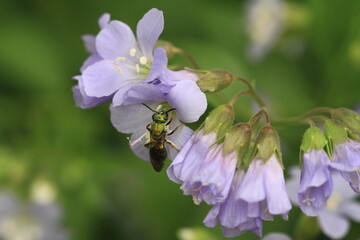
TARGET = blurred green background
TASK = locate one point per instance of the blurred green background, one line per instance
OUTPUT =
(312, 59)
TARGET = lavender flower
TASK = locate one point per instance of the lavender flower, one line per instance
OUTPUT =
(234, 214)
(339, 208)
(264, 189)
(353, 178)
(126, 62)
(201, 166)
(346, 156)
(81, 98)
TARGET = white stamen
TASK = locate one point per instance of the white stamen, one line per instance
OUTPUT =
(137, 68)
(120, 59)
(143, 60)
(132, 52)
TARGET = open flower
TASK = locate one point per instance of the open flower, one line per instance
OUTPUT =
(202, 168)
(339, 208)
(234, 214)
(126, 61)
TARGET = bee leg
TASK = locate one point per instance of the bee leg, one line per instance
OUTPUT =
(148, 127)
(172, 145)
(168, 123)
(181, 125)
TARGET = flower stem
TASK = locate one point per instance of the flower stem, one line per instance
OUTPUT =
(236, 97)
(252, 91)
(258, 115)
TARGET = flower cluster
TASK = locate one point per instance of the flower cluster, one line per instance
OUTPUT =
(237, 169)
(240, 175)
(336, 149)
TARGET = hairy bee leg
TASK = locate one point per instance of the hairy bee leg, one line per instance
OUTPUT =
(172, 145)
(168, 123)
(181, 125)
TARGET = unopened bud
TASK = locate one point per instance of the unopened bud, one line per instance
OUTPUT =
(219, 120)
(349, 118)
(213, 80)
(335, 132)
(238, 139)
(313, 138)
(268, 144)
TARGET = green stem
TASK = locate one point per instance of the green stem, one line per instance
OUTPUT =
(258, 115)
(236, 97)
(252, 91)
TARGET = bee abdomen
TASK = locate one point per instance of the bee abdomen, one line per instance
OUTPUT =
(157, 157)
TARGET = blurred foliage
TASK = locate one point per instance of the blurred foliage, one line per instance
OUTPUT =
(105, 191)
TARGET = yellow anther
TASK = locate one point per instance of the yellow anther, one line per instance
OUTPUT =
(143, 60)
(132, 52)
(119, 70)
(120, 59)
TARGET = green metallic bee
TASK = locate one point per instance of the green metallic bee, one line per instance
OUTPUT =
(159, 130)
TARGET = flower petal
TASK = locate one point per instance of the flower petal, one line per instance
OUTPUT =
(143, 93)
(179, 138)
(351, 209)
(276, 195)
(211, 220)
(253, 187)
(158, 65)
(333, 225)
(292, 185)
(346, 156)
(189, 101)
(149, 29)
(137, 142)
(90, 61)
(101, 79)
(131, 118)
(89, 42)
(115, 40)
(104, 20)
(276, 236)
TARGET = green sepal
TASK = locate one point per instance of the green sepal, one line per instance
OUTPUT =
(349, 118)
(268, 144)
(212, 80)
(219, 120)
(335, 133)
(313, 138)
(248, 157)
(237, 139)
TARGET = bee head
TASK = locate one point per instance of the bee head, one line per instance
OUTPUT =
(160, 117)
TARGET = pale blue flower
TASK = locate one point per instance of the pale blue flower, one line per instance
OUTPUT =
(340, 206)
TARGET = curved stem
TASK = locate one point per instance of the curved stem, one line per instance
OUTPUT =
(303, 117)
(190, 58)
(252, 91)
(258, 115)
(236, 97)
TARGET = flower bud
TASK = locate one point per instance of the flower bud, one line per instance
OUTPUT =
(268, 144)
(350, 118)
(171, 50)
(335, 132)
(238, 139)
(219, 120)
(313, 138)
(213, 80)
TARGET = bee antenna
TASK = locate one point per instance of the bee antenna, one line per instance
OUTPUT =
(172, 109)
(149, 108)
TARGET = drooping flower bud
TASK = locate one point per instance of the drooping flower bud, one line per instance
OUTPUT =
(316, 183)
(350, 118)
(219, 120)
(268, 144)
(213, 80)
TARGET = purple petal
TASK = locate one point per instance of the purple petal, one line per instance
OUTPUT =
(149, 29)
(351, 209)
(253, 225)
(346, 156)
(253, 187)
(179, 138)
(101, 79)
(90, 61)
(143, 93)
(159, 64)
(277, 198)
(189, 101)
(104, 20)
(211, 220)
(121, 93)
(131, 118)
(353, 178)
(341, 187)
(333, 225)
(89, 42)
(137, 142)
(276, 236)
(115, 40)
